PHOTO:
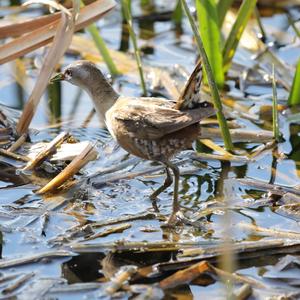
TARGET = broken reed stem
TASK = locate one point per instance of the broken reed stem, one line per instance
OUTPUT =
(189, 274)
(211, 81)
(13, 155)
(185, 276)
(76, 164)
(101, 46)
(48, 150)
(243, 293)
(123, 275)
(276, 132)
(18, 143)
(127, 15)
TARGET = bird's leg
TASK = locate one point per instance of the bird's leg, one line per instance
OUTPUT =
(166, 184)
(175, 208)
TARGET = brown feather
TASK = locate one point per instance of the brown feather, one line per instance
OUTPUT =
(146, 119)
(190, 95)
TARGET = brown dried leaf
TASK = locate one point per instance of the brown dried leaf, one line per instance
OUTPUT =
(44, 35)
(60, 44)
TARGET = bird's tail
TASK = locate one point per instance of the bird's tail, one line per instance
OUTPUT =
(190, 96)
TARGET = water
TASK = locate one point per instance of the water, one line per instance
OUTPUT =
(204, 185)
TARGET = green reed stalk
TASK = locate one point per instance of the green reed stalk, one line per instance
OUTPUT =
(177, 13)
(294, 97)
(276, 132)
(211, 37)
(101, 46)
(237, 30)
(211, 82)
(127, 15)
(222, 7)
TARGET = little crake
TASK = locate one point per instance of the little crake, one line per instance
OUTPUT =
(151, 128)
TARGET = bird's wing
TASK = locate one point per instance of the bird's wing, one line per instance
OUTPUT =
(147, 120)
(190, 96)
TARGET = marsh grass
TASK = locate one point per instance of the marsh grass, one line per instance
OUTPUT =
(276, 131)
(222, 8)
(177, 13)
(211, 36)
(127, 15)
(211, 81)
(243, 16)
(294, 97)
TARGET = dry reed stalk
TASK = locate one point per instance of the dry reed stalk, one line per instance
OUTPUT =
(76, 164)
(50, 149)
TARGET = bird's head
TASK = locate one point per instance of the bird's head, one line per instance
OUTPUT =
(82, 73)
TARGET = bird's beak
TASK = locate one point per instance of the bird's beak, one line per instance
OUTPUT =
(57, 77)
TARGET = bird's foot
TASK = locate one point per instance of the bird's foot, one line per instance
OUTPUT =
(174, 220)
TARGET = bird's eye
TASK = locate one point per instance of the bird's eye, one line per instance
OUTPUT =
(205, 104)
(68, 73)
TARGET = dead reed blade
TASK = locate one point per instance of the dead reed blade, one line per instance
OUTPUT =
(76, 164)
(60, 44)
(50, 149)
(42, 36)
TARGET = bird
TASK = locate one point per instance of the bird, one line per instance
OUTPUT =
(151, 128)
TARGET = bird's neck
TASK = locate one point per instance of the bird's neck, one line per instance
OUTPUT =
(104, 97)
